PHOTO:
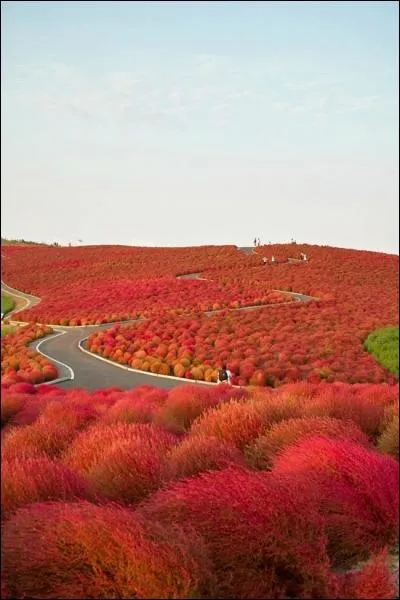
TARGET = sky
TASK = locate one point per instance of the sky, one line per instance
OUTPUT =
(191, 123)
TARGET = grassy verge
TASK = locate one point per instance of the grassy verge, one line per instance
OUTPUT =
(7, 304)
(383, 344)
(5, 329)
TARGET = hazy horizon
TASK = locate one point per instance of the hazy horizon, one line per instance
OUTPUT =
(197, 123)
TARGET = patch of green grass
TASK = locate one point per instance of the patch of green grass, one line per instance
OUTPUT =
(383, 344)
(7, 304)
(6, 329)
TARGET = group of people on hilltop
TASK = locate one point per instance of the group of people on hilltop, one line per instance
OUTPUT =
(265, 260)
(303, 257)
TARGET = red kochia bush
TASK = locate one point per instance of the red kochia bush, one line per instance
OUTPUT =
(366, 410)
(29, 411)
(240, 422)
(265, 539)
(131, 409)
(71, 412)
(374, 581)
(38, 439)
(357, 490)
(37, 479)
(198, 454)
(183, 405)
(23, 388)
(11, 404)
(80, 550)
(261, 452)
(121, 462)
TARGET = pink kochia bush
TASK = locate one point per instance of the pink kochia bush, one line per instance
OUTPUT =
(80, 550)
(357, 490)
(261, 545)
(121, 462)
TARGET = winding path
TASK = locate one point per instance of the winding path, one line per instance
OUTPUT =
(78, 368)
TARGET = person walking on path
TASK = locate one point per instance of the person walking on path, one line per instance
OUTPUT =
(224, 375)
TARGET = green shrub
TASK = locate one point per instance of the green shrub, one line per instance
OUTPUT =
(7, 304)
(383, 344)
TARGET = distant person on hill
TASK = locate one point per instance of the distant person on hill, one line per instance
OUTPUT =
(273, 259)
(224, 375)
(255, 241)
(265, 260)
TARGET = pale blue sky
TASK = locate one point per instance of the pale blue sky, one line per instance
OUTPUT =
(185, 123)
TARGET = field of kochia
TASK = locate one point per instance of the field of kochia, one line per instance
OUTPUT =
(283, 487)
(279, 341)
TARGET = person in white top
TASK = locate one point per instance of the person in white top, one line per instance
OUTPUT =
(224, 375)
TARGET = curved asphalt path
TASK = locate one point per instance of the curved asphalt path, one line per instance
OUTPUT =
(62, 350)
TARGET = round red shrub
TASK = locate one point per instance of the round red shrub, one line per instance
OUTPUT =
(71, 413)
(357, 491)
(198, 454)
(183, 405)
(37, 479)
(121, 462)
(366, 411)
(29, 411)
(89, 551)
(263, 541)
(38, 439)
(261, 452)
(11, 404)
(131, 410)
(22, 388)
(241, 421)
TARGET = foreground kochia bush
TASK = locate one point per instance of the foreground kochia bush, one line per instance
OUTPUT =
(357, 491)
(80, 550)
(261, 544)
